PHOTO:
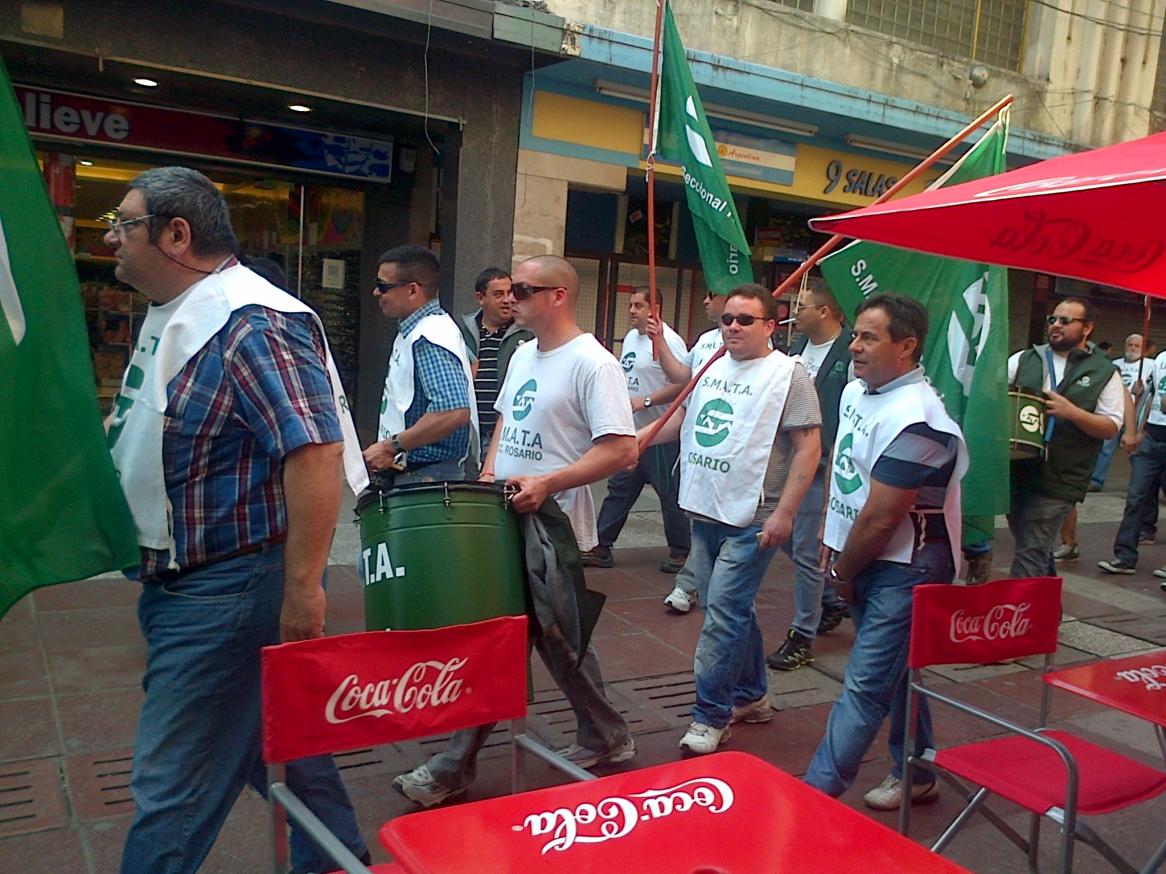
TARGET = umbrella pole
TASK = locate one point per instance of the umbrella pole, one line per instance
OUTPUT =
(826, 247)
(1145, 336)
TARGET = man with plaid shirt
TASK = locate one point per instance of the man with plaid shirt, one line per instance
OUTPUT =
(230, 434)
(428, 407)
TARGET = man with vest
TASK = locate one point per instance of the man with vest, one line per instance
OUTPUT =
(749, 446)
(232, 439)
(649, 393)
(823, 349)
(563, 422)
(892, 521)
(491, 337)
(428, 409)
(1084, 405)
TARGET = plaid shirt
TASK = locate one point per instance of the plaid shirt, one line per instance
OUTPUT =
(255, 392)
(439, 385)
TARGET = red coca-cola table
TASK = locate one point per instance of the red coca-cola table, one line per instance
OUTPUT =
(1134, 684)
(727, 812)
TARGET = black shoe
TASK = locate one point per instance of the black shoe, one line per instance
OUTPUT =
(832, 617)
(793, 654)
(674, 562)
(1117, 566)
(598, 556)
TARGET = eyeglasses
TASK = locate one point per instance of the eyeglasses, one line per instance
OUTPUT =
(744, 320)
(382, 287)
(1061, 320)
(118, 225)
(524, 290)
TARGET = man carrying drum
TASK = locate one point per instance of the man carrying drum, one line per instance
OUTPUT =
(564, 422)
(428, 406)
(1084, 405)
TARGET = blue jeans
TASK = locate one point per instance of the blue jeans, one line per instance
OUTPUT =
(875, 682)
(730, 659)
(1147, 466)
(1104, 457)
(198, 738)
(811, 593)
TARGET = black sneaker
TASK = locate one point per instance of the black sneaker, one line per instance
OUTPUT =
(598, 556)
(832, 617)
(793, 654)
(1117, 566)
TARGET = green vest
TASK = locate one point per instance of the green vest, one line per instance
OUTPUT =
(1071, 452)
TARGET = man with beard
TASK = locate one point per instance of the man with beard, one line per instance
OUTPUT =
(1085, 405)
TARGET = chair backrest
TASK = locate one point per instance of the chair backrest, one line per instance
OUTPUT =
(341, 693)
(1005, 619)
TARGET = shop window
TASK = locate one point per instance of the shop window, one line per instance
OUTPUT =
(991, 31)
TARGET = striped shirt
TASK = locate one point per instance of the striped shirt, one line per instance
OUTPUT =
(439, 385)
(486, 383)
(257, 391)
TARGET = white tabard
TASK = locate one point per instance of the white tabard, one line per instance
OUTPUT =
(644, 373)
(440, 330)
(202, 311)
(703, 349)
(867, 425)
(727, 435)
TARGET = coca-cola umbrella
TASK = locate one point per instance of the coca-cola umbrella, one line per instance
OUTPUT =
(1095, 216)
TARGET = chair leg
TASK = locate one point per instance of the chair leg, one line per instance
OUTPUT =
(1033, 840)
(956, 824)
(280, 854)
(517, 756)
(1089, 836)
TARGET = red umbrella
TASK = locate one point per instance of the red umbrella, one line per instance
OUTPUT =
(1095, 216)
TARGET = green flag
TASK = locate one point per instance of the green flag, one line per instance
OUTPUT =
(683, 137)
(62, 513)
(966, 351)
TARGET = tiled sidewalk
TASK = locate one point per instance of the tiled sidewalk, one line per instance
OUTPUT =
(71, 659)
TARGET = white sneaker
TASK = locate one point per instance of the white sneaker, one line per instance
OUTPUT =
(888, 794)
(679, 601)
(701, 738)
(419, 785)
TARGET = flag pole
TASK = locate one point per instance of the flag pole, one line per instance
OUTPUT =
(1145, 337)
(829, 245)
(651, 177)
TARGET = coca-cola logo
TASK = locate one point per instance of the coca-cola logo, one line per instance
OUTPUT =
(424, 684)
(1148, 676)
(1001, 622)
(617, 816)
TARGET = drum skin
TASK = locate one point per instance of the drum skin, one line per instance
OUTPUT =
(1027, 437)
(439, 554)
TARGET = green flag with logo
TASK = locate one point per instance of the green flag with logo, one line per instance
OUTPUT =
(62, 513)
(683, 137)
(966, 351)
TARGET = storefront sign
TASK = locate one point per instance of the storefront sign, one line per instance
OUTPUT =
(754, 158)
(61, 116)
(849, 179)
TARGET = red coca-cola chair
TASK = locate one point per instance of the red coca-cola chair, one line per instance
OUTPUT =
(1047, 771)
(358, 690)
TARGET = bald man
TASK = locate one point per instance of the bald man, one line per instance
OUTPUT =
(563, 423)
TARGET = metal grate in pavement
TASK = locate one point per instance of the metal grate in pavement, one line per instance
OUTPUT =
(668, 697)
(99, 784)
(30, 797)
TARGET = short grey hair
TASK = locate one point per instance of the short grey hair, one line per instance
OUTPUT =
(179, 192)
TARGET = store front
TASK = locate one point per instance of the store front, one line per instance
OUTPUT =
(298, 198)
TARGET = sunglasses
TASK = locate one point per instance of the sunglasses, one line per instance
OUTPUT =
(1061, 320)
(524, 290)
(744, 320)
(383, 287)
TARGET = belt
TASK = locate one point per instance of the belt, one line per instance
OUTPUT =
(219, 559)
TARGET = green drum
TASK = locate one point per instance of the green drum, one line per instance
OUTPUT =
(437, 554)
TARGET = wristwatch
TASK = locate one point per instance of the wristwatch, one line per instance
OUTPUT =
(395, 440)
(647, 401)
(834, 578)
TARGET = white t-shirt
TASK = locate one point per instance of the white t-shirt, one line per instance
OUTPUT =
(702, 350)
(644, 374)
(551, 408)
(1110, 403)
(814, 354)
(1157, 417)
